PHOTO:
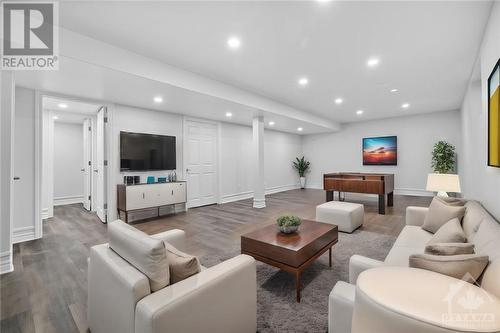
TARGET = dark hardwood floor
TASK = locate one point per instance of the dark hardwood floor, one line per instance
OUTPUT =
(47, 292)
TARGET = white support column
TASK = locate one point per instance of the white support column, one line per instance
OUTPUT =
(259, 198)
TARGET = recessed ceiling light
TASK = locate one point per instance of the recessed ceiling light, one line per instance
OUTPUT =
(55, 117)
(271, 123)
(373, 62)
(300, 129)
(339, 101)
(303, 81)
(229, 114)
(233, 43)
(359, 112)
(405, 106)
(62, 105)
(394, 90)
(158, 99)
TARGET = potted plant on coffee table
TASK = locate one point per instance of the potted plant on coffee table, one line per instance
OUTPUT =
(301, 165)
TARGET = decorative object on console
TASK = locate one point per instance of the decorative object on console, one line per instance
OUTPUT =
(443, 183)
(137, 179)
(443, 157)
(380, 150)
(162, 179)
(151, 180)
(288, 224)
(128, 180)
(494, 117)
(301, 165)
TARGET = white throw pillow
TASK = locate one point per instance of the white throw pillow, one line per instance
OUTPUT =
(181, 265)
(439, 213)
(450, 232)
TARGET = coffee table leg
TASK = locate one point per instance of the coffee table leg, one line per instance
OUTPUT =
(297, 285)
(330, 257)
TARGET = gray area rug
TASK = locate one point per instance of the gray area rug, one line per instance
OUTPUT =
(277, 310)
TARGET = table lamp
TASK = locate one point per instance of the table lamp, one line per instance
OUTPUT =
(443, 183)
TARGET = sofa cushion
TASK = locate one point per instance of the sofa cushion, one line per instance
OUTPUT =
(439, 213)
(467, 267)
(474, 215)
(450, 232)
(449, 249)
(487, 242)
(411, 240)
(143, 252)
(181, 265)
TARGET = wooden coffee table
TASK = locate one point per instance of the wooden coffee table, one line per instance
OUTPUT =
(291, 252)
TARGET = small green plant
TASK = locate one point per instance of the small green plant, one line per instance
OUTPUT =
(443, 157)
(301, 165)
(288, 221)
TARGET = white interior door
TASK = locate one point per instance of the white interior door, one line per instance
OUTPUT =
(99, 170)
(200, 162)
(87, 167)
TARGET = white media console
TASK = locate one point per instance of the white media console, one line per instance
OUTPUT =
(150, 200)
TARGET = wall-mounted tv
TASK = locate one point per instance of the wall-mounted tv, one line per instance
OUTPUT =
(380, 150)
(146, 152)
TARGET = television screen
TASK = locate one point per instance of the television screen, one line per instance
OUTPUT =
(380, 151)
(144, 152)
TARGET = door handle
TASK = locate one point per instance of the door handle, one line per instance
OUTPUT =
(82, 170)
(96, 170)
(17, 178)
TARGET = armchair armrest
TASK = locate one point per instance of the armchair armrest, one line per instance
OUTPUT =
(416, 215)
(176, 237)
(403, 299)
(222, 298)
(114, 288)
(359, 264)
(340, 307)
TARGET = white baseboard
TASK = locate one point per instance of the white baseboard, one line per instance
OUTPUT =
(23, 234)
(249, 194)
(68, 200)
(6, 265)
(46, 214)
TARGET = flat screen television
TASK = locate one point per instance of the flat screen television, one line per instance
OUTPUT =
(146, 152)
(380, 150)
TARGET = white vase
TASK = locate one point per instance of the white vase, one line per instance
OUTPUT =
(302, 182)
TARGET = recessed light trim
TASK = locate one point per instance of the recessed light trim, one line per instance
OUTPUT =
(55, 117)
(158, 99)
(271, 123)
(405, 105)
(360, 112)
(300, 129)
(394, 90)
(233, 42)
(373, 62)
(229, 114)
(303, 81)
(62, 105)
(339, 100)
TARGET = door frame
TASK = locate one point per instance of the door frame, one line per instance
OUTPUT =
(185, 120)
(39, 95)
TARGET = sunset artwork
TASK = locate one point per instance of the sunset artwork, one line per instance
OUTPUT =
(380, 151)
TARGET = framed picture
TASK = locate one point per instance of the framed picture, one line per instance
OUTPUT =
(380, 150)
(494, 117)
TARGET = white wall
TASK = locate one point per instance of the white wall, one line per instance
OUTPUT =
(342, 152)
(68, 162)
(480, 181)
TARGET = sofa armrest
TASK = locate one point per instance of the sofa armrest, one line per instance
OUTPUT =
(403, 299)
(222, 298)
(359, 264)
(416, 215)
(114, 288)
(340, 307)
(176, 237)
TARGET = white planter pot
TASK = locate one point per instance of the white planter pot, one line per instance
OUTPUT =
(302, 182)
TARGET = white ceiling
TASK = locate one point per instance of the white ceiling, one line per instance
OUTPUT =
(74, 112)
(426, 49)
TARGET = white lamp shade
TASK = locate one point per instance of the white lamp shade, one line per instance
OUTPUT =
(441, 182)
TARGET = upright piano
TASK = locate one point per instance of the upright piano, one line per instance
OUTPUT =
(381, 184)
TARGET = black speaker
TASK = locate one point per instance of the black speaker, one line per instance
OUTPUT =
(128, 180)
(137, 179)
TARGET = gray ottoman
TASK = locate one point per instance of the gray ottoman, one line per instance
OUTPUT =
(347, 216)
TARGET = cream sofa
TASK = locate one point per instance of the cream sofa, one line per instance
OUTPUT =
(390, 297)
(222, 298)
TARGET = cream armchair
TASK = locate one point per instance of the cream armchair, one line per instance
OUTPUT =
(221, 298)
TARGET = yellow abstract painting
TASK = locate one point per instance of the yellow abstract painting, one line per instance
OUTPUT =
(494, 117)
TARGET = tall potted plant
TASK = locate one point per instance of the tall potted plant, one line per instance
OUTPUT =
(443, 157)
(301, 165)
